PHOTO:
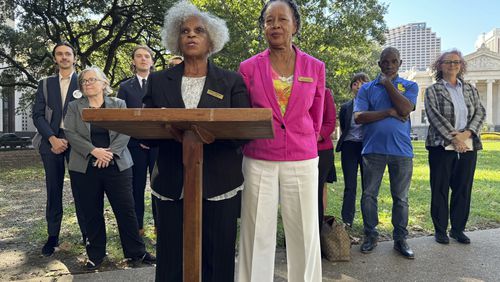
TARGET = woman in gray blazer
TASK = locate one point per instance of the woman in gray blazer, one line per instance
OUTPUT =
(100, 163)
(455, 115)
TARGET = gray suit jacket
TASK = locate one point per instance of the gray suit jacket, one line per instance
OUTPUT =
(441, 115)
(78, 134)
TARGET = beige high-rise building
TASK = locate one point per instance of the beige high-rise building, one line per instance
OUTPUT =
(418, 45)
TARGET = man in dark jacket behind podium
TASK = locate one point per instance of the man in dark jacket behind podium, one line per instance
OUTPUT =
(144, 157)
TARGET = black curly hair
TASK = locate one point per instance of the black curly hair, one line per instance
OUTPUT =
(63, 43)
(291, 3)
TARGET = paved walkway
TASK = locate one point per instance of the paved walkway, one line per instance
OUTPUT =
(479, 261)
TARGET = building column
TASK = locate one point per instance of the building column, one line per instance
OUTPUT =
(489, 101)
(497, 121)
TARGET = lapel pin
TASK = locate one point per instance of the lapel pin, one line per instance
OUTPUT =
(215, 94)
(305, 79)
(77, 94)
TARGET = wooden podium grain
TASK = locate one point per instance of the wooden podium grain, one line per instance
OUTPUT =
(194, 127)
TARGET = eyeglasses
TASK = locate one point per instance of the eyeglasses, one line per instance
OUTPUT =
(448, 62)
(89, 81)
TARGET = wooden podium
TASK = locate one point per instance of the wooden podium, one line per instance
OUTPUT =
(193, 127)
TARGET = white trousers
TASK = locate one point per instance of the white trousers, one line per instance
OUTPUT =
(294, 186)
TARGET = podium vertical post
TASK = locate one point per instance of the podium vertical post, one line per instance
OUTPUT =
(192, 150)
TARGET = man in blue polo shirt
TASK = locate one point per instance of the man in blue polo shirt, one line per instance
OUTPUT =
(383, 107)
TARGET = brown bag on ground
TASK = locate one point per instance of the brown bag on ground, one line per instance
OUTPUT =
(335, 241)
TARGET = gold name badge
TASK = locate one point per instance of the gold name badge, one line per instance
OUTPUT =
(305, 79)
(215, 94)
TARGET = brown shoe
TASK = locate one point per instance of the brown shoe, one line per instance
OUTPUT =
(141, 232)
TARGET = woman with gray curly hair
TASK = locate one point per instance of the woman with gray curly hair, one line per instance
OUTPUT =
(455, 116)
(100, 162)
(197, 83)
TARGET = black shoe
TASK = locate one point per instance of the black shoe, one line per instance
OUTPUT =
(402, 247)
(50, 247)
(93, 265)
(460, 237)
(147, 258)
(441, 238)
(368, 245)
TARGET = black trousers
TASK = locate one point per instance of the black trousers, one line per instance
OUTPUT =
(144, 161)
(351, 159)
(451, 170)
(325, 167)
(118, 188)
(218, 240)
(54, 166)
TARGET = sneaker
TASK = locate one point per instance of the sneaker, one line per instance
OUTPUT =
(50, 247)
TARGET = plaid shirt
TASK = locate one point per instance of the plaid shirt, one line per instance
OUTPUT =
(441, 116)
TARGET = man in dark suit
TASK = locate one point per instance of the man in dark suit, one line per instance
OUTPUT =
(144, 157)
(54, 148)
(350, 144)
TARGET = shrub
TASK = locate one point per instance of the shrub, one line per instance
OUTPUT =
(490, 136)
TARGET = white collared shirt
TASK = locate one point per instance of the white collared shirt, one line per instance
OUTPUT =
(64, 83)
(140, 78)
(459, 107)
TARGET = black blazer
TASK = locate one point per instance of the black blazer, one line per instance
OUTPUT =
(45, 127)
(221, 159)
(345, 117)
(130, 90)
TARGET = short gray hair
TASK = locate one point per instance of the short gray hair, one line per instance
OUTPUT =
(175, 16)
(100, 75)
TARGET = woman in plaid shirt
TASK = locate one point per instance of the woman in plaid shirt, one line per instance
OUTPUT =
(455, 115)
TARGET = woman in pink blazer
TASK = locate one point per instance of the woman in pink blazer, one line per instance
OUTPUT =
(284, 170)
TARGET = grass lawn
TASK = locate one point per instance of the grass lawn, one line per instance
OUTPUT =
(484, 208)
(485, 194)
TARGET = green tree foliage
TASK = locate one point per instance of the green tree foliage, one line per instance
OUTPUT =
(103, 33)
(345, 34)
